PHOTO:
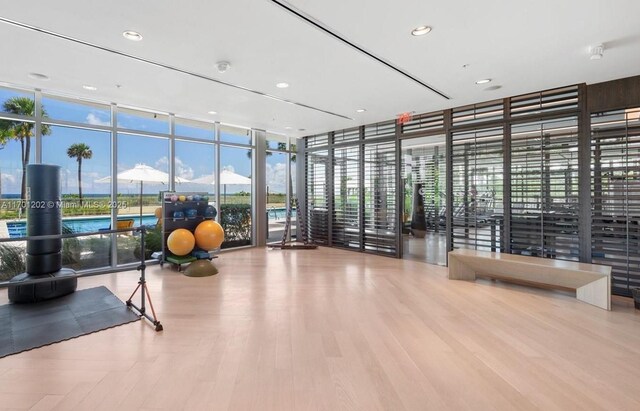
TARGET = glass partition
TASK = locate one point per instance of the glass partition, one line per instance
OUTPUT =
(85, 160)
(235, 196)
(424, 199)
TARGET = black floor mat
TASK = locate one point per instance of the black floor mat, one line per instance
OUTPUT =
(27, 326)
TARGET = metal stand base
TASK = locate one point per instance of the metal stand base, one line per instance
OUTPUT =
(144, 291)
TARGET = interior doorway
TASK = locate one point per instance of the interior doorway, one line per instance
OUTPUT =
(424, 199)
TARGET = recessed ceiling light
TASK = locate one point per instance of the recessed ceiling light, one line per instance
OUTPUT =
(421, 31)
(88, 87)
(132, 35)
(361, 110)
(38, 76)
(212, 112)
(483, 81)
(288, 128)
(282, 85)
(302, 129)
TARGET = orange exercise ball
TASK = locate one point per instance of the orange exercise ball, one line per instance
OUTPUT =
(181, 241)
(209, 235)
(158, 213)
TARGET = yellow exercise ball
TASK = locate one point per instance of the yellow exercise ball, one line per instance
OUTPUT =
(209, 235)
(181, 241)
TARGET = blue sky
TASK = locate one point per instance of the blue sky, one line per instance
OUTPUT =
(192, 160)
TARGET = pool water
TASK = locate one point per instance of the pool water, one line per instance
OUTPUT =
(279, 213)
(80, 225)
(91, 224)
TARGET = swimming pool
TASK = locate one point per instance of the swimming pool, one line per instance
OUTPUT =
(80, 224)
(90, 224)
(279, 213)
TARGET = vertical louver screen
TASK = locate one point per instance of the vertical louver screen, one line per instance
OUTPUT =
(317, 196)
(346, 197)
(544, 189)
(380, 220)
(615, 184)
(477, 213)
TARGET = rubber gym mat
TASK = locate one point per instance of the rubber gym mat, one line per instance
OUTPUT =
(27, 326)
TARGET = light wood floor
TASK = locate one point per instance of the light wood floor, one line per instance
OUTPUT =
(329, 329)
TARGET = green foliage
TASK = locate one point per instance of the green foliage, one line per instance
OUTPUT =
(13, 258)
(152, 243)
(12, 261)
(79, 151)
(70, 249)
(236, 221)
(20, 130)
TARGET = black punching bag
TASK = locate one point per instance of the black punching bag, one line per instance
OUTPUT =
(44, 217)
(44, 257)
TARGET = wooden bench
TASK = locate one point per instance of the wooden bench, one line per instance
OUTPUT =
(592, 283)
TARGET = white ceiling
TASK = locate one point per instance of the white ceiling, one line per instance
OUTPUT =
(522, 46)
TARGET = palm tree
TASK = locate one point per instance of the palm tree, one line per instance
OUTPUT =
(21, 131)
(80, 151)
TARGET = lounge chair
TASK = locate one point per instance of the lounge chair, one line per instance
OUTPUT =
(121, 224)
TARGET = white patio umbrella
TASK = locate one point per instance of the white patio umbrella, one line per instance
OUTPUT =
(226, 178)
(142, 173)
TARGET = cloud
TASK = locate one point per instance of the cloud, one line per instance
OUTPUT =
(277, 178)
(229, 168)
(9, 178)
(93, 119)
(182, 169)
(162, 163)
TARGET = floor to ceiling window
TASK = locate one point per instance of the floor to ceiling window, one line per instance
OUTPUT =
(279, 185)
(84, 158)
(235, 185)
(615, 190)
(317, 195)
(80, 136)
(424, 206)
(142, 172)
(477, 181)
(351, 198)
(544, 189)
